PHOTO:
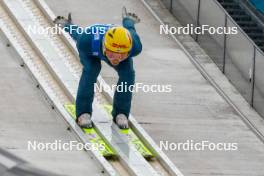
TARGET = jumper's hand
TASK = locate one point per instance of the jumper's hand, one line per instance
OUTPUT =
(130, 15)
(62, 21)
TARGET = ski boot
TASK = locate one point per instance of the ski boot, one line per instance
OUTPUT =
(85, 121)
(122, 121)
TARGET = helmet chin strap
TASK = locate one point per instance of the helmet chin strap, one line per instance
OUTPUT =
(103, 47)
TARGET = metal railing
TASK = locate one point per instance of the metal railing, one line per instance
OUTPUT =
(253, 12)
(10, 164)
(237, 56)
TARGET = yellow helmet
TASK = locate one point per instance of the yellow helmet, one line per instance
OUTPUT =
(118, 39)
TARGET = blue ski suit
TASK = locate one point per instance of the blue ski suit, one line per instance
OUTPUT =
(89, 45)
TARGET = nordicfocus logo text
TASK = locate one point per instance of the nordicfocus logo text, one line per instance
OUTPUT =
(137, 87)
(190, 29)
(71, 29)
(190, 145)
(58, 145)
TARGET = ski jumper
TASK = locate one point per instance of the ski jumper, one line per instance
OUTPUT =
(89, 45)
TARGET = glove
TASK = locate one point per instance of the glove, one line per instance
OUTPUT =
(130, 15)
(62, 21)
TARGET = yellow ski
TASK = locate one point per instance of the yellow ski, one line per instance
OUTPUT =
(133, 139)
(92, 134)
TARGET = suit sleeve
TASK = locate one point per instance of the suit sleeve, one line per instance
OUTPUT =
(137, 45)
(74, 30)
(81, 36)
